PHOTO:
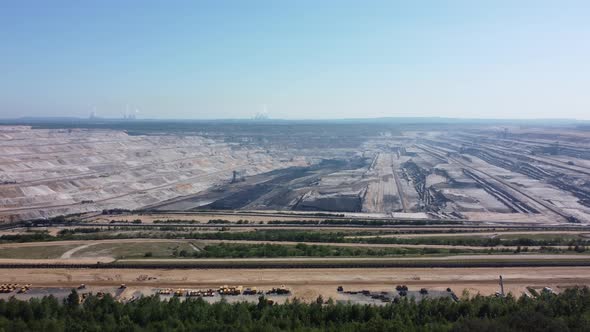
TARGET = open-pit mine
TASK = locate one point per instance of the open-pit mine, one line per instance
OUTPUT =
(341, 209)
(480, 173)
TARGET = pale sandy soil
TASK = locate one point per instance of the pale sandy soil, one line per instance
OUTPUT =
(68, 254)
(309, 283)
(82, 242)
(513, 218)
(87, 260)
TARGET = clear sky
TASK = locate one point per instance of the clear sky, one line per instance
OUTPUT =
(295, 58)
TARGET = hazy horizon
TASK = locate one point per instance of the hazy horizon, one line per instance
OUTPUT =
(80, 120)
(296, 61)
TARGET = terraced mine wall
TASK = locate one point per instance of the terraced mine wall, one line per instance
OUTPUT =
(380, 168)
(561, 181)
(431, 199)
(501, 194)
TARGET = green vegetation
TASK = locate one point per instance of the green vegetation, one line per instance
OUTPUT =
(544, 236)
(27, 237)
(72, 231)
(323, 236)
(568, 311)
(478, 241)
(128, 250)
(232, 250)
(270, 235)
(366, 222)
(342, 222)
(274, 235)
(343, 237)
(36, 252)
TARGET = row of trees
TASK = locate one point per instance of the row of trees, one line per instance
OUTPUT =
(481, 241)
(235, 250)
(568, 311)
(298, 236)
(366, 222)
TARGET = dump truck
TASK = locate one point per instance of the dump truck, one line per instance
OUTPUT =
(282, 290)
(230, 290)
(192, 293)
(165, 291)
(250, 291)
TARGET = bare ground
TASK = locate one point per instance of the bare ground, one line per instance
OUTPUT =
(309, 283)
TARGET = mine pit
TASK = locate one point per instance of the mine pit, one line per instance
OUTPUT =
(439, 173)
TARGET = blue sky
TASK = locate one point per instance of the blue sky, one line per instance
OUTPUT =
(298, 59)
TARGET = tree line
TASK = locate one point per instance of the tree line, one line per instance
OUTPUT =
(300, 236)
(237, 250)
(568, 311)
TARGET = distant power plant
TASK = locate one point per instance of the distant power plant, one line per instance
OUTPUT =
(130, 115)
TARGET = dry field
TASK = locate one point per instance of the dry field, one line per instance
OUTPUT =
(309, 283)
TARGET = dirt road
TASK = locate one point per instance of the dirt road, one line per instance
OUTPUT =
(309, 283)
